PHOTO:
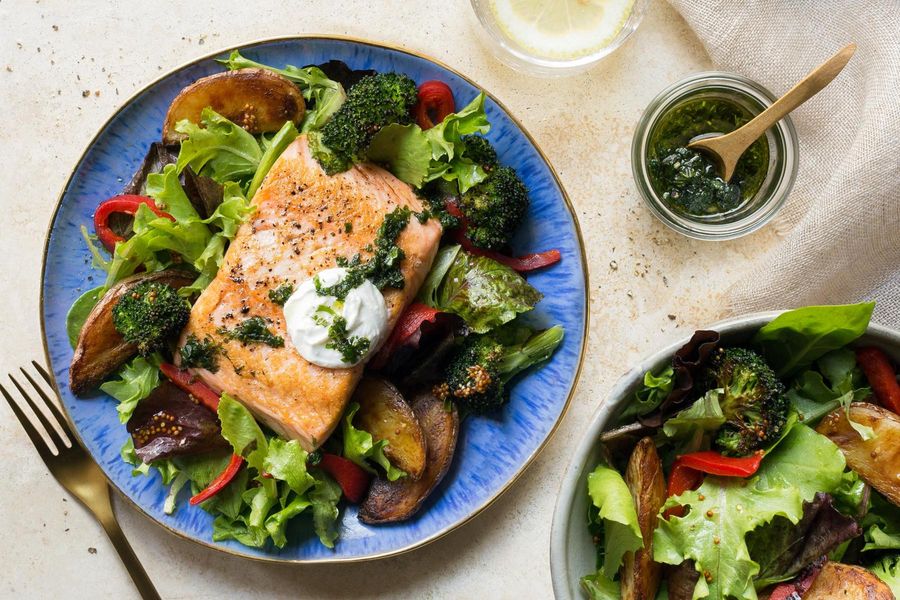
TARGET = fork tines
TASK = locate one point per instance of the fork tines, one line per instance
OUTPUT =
(56, 429)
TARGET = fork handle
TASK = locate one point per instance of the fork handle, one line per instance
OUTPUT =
(135, 569)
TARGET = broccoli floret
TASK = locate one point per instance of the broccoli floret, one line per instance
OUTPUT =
(494, 209)
(435, 196)
(480, 368)
(149, 314)
(472, 376)
(480, 151)
(376, 101)
(331, 162)
(753, 401)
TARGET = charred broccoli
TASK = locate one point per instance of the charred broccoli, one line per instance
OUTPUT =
(752, 401)
(376, 101)
(149, 314)
(479, 370)
(435, 196)
(480, 151)
(437, 193)
(494, 208)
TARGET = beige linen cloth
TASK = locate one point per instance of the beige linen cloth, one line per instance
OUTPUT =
(841, 223)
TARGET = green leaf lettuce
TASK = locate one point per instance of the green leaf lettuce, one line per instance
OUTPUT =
(199, 242)
(260, 508)
(273, 148)
(888, 570)
(615, 509)
(417, 157)
(360, 447)
(836, 381)
(648, 397)
(218, 148)
(723, 510)
(881, 525)
(704, 415)
(600, 587)
(136, 380)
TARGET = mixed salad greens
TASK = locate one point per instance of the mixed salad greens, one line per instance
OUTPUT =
(764, 468)
(162, 241)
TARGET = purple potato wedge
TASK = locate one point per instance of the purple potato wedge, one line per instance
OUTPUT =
(100, 349)
(640, 575)
(850, 582)
(393, 501)
(876, 460)
(385, 414)
(258, 100)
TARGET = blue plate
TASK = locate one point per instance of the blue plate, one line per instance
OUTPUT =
(492, 452)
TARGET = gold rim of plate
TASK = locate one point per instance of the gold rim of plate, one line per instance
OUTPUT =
(443, 532)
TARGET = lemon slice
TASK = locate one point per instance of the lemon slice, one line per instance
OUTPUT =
(561, 29)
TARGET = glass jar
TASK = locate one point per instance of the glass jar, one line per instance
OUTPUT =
(516, 56)
(753, 212)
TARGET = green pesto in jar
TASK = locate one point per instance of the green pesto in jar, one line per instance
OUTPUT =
(687, 181)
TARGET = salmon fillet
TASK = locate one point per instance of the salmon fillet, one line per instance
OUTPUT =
(300, 228)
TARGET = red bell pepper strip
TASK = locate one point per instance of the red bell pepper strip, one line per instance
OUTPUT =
(219, 483)
(688, 471)
(521, 264)
(126, 204)
(435, 98)
(682, 479)
(354, 481)
(714, 463)
(408, 324)
(882, 377)
(454, 209)
(193, 386)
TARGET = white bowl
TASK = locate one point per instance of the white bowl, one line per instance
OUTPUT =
(572, 553)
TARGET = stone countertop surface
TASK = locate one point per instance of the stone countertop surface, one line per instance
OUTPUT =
(66, 66)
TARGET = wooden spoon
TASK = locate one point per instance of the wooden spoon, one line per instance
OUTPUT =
(727, 149)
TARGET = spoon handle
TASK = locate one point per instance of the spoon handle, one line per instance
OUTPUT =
(805, 89)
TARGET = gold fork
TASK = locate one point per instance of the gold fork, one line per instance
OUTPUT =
(75, 470)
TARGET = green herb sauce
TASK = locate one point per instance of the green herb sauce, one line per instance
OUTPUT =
(383, 269)
(281, 294)
(253, 331)
(351, 347)
(200, 353)
(434, 196)
(687, 180)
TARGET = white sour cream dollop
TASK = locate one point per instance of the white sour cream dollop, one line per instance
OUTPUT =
(363, 308)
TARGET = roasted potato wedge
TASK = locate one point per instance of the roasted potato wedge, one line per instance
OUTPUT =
(260, 101)
(644, 477)
(877, 460)
(100, 349)
(847, 582)
(681, 580)
(389, 502)
(385, 414)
